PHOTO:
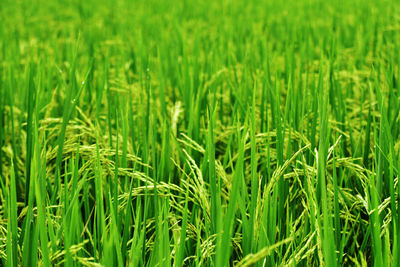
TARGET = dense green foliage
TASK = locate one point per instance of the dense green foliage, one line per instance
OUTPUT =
(199, 133)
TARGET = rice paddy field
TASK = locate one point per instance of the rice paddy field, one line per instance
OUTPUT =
(199, 133)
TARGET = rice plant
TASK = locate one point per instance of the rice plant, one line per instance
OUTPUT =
(199, 133)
